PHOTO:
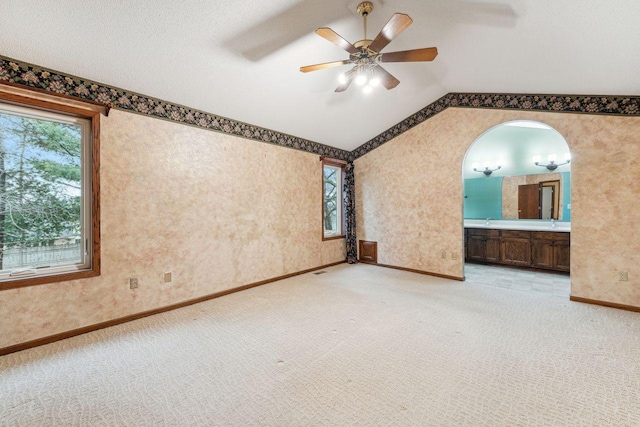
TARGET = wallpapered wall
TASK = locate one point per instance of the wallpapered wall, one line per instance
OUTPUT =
(217, 210)
(409, 196)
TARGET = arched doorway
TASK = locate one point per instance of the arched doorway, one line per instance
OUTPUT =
(517, 206)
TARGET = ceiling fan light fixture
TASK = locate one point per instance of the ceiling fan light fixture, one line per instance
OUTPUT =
(366, 54)
(367, 89)
(342, 78)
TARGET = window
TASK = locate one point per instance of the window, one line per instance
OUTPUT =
(332, 212)
(47, 199)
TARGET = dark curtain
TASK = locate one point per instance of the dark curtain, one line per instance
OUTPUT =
(350, 214)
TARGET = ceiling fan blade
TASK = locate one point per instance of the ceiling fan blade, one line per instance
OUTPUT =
(386, 79)
(350, 75)
(397, 24)
(317, 67)
(426, 54)
(336, 39)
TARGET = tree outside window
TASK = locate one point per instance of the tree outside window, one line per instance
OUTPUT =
(40, 192)
(332, 200)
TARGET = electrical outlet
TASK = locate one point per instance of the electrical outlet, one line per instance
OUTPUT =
(443, 254)
(167, 277)
(623, 276)
(454, 255)
(133, 283)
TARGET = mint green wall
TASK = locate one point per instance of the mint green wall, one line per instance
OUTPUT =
(483, 198)
(566, 196)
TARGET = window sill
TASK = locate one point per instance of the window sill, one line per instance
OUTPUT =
(342, 236)
(53, 278)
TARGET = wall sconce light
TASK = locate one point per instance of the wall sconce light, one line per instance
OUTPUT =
(487, 168)
(552, 158)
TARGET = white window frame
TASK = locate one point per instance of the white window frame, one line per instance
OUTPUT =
(339, 232)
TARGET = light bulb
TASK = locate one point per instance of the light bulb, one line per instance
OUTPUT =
(499, 163)
(367, 89)
(475, 165)
(361, 80)
(374, 82)
(567, 156)
(342, 78)
(536, 159)
(486, 164)
(552, 158)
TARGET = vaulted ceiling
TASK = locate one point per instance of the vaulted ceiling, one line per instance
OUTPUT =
(241, 59)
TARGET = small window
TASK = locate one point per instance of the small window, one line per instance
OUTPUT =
(332, 211)
(46, 205)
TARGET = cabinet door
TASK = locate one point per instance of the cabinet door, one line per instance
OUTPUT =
(475, 248)
(542, 253)
(561, 255)
(516, 251)
(368, 251)
(492, 249)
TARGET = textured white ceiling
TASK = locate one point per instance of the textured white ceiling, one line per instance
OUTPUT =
(240, 59)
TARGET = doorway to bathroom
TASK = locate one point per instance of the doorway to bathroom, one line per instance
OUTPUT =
(517, 208)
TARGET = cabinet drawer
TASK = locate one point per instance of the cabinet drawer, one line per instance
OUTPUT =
(550, 235)
(483, 232)
(516, 234)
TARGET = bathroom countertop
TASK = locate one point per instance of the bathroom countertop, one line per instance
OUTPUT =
(521, 225)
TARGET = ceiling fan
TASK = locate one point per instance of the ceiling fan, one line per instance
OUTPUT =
(366, 56)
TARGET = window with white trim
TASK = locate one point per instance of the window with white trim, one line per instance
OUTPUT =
(332, 209)
(46, 219)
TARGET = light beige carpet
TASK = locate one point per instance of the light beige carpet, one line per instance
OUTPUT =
(358, 345)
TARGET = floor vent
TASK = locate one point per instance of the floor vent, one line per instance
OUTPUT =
(319, 272)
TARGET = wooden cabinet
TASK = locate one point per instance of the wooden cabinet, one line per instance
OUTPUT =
(516, 247)
(534, 249)
(483, 245)
(551, 251)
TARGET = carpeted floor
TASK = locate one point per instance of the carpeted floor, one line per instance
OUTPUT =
(358, 345)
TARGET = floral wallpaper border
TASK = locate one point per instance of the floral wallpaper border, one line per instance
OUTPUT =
(587, 104)
(33, 76)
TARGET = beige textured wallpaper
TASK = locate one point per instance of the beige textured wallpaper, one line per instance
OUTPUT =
(409, 196)
(216, 210)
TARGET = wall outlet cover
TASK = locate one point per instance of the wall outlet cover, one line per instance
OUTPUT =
(167, 277)
(133, 283)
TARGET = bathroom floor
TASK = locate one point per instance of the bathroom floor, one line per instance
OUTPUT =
(520, 280)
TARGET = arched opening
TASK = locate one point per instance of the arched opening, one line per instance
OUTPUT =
(517, 207)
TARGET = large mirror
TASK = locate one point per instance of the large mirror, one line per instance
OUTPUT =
(518, 170)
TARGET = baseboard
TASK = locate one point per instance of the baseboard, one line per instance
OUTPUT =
(120, 320)
(412, 270)
(606, 304)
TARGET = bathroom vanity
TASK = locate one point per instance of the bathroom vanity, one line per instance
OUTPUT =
(533, 244)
